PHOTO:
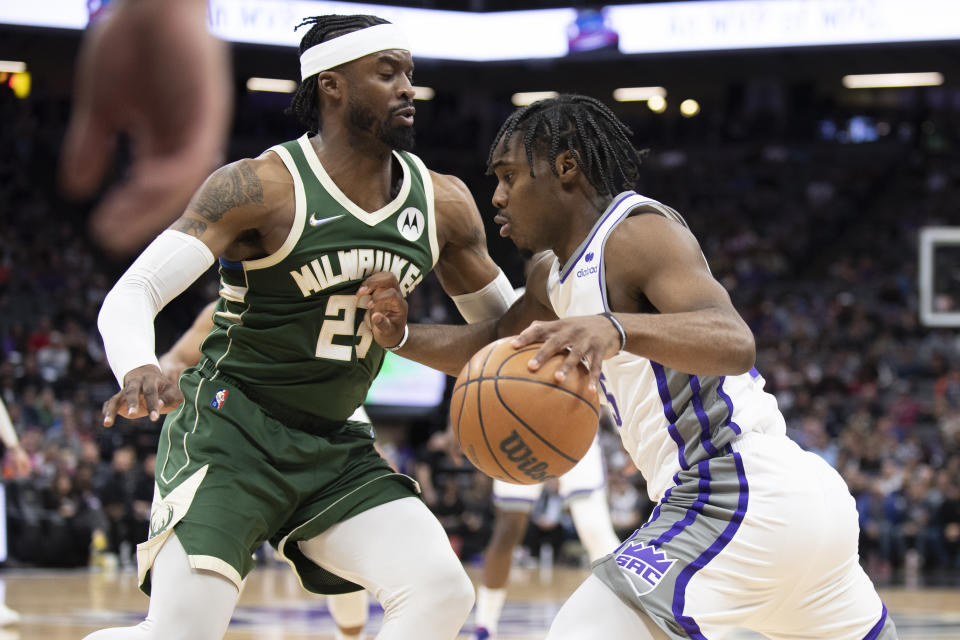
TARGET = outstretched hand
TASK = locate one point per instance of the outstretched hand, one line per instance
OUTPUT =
(153, 71)
(146, 391)
(586, 339)
(386, 309)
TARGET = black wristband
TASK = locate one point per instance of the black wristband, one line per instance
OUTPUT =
(619, 327)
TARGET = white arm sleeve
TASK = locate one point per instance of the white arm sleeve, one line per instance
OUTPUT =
(168, 266)
(8, 435)
(487, 303)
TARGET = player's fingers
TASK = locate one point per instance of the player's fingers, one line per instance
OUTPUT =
(131, 399)
(387, 299)
(170, 397)
(110, 410)
(551, 346)
(533, 333)
(87, 148)
(379, 280)
(380, 321)
(151, 397)
(594, 364)
(569, 363)
(387, 332)
(136, 210)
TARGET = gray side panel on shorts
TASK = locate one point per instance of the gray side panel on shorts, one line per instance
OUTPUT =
(694, 521)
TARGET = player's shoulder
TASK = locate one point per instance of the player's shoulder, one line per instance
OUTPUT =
(252, 187)
(269, 166)
(449, 189)
(648, 241)
(458, 219)
(650, 230)
(264, 177)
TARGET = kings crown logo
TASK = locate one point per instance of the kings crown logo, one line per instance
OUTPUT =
(649, 564)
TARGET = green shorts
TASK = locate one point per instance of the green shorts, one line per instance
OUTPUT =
(229, 476)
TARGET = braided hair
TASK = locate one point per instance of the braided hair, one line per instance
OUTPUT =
(588, 129)
(305, 105)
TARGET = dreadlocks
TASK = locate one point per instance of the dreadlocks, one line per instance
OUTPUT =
(305, 104)
(588, 129)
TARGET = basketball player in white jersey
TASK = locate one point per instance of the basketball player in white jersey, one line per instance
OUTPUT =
(748, 530)
(583, 488)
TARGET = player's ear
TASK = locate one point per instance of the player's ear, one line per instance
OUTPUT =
(567, 167)
(330, 84)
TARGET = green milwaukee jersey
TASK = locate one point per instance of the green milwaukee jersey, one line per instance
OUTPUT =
(287, 327)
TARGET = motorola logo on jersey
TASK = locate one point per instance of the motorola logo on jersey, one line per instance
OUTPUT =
(649, 564)
(410, 223)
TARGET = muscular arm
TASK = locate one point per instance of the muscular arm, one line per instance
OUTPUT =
(239, 198)
(448, 347)
(245, 198)
(650, 260)
(697, 330)
(464, 265)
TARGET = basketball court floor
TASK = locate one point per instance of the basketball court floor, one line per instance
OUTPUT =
(61, 605)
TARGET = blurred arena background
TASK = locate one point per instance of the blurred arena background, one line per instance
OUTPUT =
(827, 202)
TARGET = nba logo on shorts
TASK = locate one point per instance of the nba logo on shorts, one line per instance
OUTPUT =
(219, 399)
(646, 562)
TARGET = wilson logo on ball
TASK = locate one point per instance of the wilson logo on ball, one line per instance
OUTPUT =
(518, 425)
(518, 451)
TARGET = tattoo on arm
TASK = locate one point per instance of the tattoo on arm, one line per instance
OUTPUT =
(190, 226)
(227, 189)
(478, 239)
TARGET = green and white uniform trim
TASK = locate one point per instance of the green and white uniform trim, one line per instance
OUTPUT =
(263, 447)
(287, 326)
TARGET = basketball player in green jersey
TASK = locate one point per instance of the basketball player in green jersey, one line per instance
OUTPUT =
(348, 610)
(262, 446)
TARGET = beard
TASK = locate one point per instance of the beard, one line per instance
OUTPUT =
(401, 138)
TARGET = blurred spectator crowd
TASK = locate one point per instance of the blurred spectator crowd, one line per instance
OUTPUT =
(816, 241)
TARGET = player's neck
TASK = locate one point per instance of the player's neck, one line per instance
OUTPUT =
(364, 169)
(582, 216)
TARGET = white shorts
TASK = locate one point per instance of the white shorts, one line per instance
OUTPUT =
(587, 476)
(763, 538)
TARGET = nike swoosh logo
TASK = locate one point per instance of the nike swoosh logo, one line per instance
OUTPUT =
(316, 222)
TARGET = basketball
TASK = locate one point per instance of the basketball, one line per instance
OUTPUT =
(517, 425)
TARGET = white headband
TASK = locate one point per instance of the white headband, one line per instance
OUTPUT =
(351, 46)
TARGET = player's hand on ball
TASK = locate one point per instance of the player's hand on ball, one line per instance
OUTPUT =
(146, 391)
(590, 339)
(386, 309)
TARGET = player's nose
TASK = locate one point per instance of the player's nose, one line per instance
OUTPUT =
(499, 199)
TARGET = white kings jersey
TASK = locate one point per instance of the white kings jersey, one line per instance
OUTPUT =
(668, 420)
